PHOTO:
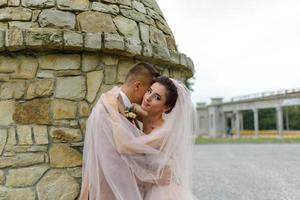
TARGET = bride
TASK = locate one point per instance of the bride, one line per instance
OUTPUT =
(122, 157)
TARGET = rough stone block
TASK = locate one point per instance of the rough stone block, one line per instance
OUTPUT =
(13, 3)
(139, 7)
(27, 68)
(114, 42)
(3, 3)
(60, 61)
(23, 25)
(73, 40)
(7, 109)
(15, 14)
(157, 37)
(8, 64)
(61, 155)
(14, 39)
(109, 60)
(40, 134)
(93, 22)
(2, 178)
(147, 50)
(137, 16)
(83, 109)
(35, 15)
(122, 2)
(33, 112)
(133, 46)
(2, 40)
(12, 90)
(64, 109)
(57, 19)
(105, 8)
(40, 88)
(57, 184)
(65, 135)
(183, 59)
(21, 193)
(171, 43)
(11, 138)
(110, 74)
(24, 177)
(175, 57)
(93, 41)
(3, 136)
(127, 27)
(145, 32)
(123, 68)
(163, 26)
(38, 3)
(161, 53)
(89, 62)
(78, 5)
(41, 38)
(94, 80)
(72, 88)
(24, 135)
(22, 160)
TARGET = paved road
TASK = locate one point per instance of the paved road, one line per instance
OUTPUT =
(247, 172)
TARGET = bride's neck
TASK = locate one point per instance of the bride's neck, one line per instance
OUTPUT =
(152, 122)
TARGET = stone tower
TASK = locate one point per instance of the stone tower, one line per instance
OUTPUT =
(56, 58)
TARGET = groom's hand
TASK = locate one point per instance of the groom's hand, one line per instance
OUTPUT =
(165, 179)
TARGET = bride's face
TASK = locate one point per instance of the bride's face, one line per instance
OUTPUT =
(155, 99)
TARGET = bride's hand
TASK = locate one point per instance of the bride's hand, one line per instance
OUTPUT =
(139, 111)
(165, 179)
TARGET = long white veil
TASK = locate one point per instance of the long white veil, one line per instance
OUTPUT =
(117, 155)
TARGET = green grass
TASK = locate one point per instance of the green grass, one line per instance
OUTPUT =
(206, 140)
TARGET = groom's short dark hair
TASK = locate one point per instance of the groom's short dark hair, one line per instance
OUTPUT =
(142, 71)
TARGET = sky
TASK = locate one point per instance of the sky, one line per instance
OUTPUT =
(239, 47)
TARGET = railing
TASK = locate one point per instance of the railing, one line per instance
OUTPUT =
(265, 94)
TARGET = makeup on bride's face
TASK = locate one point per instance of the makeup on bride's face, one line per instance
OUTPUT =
(155, 99)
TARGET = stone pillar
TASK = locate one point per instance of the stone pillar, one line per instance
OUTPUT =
(279, 121)
(256, 122)
(242, 121)
(237, 123)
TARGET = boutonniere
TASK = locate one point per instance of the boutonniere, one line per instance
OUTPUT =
(129, 113)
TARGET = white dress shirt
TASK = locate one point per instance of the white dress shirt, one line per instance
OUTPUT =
(125, 99)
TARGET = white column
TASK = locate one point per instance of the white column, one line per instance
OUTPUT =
(237, 123)
(256, 122)
(279, 121)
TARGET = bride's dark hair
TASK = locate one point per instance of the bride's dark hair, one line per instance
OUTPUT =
(172, 94)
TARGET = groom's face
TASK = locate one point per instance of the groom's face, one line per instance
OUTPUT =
(140, 90)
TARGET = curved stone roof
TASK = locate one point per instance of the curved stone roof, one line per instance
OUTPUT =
(127, 27)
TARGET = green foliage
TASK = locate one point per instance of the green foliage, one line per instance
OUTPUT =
(292, 116)
(248, 120)
(189, 83)
(267, 119)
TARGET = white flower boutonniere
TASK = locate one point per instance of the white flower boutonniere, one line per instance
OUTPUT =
(129, 113)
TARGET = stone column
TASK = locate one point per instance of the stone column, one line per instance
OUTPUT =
(279, 121)
(256, 122)
(237, 122)
(242, 121)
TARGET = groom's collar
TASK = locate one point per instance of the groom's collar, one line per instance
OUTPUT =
(125, 99)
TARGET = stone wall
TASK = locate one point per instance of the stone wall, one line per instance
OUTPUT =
(56, 58)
